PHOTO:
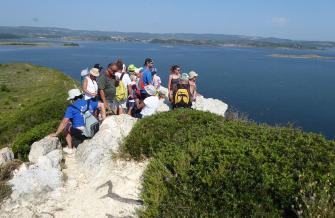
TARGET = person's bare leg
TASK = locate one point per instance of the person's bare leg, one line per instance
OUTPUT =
(129, 110)
(68, 139)
(121, 111)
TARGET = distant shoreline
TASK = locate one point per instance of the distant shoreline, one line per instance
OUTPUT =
(29, 44)
(304, 56)
(37, 44)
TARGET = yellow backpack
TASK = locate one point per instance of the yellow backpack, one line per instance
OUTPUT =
(182, 98)
(121, 91)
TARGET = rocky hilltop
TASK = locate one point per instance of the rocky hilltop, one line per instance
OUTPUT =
(91, 183)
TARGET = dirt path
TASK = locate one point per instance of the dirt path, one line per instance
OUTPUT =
(111, 192)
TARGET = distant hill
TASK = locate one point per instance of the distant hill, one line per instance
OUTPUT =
(168, 38)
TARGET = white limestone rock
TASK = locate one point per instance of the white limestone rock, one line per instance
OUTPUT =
(92, 153)
(6, 155)
(211, 105)
(56, 157)
(43, 147)
(33, 183)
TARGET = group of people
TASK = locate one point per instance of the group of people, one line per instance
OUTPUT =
(121, 89)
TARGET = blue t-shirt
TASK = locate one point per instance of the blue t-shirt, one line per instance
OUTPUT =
(75, 115)
(147, 76)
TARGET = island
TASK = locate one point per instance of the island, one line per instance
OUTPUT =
(303, 56)
(71, 44)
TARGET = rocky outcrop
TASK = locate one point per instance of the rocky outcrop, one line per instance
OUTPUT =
(91, 154)
(211, 105)
(43, 147)
(93, 183)
(33, 183)
(6, 155)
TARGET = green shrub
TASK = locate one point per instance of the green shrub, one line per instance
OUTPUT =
(151, 134)
(22, 143)
(4, 88)
(206, 166)
(32, 115)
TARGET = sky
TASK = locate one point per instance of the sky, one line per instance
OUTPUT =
(292, 19)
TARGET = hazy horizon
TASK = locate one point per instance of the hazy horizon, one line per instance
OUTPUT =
(296, 20)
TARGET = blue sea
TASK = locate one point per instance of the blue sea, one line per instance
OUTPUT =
(269, 90)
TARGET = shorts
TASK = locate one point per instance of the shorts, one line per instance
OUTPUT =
(122, 104)
(130, 103)
(77, 134)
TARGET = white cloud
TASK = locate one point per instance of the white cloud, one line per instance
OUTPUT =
(280, 21)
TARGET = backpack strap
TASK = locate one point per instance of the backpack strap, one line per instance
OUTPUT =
(121, 76)
(87, 107)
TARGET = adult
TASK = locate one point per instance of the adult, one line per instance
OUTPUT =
(99, 67)
(182, 96)
(121, 65)
(120, 75)
(132, 69)
(73, 122)
(193, 86)
(150, 104)
(146, 77)
(90, 85)
(174, 79)
(106, 86)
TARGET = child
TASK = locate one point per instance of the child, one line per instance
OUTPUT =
(133, 94)
(156, 80)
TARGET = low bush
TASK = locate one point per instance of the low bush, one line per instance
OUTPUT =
(4, 88)
(22, 143)
(206, 166)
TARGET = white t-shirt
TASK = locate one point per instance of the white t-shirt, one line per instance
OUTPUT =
(125, 79)
(92, 87)
(151, 105)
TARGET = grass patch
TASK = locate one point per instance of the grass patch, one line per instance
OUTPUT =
(37, 98)
(206, 166)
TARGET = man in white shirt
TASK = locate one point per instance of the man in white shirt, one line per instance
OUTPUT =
(150, 104)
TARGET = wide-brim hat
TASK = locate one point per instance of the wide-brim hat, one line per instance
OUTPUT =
(94, 72)
(150, 89)
(73, 93)
(192, 74)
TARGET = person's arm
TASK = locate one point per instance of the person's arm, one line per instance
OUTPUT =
(85, 88)
(101, 86)
(103, 98)
(129, 89)
(61, 127)
(140, 105)
(192, 91)
(169, 83)
(102, 108)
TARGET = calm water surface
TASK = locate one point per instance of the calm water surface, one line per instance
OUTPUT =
(270, 90)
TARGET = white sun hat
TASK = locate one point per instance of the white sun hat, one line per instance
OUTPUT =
(94, 72)
(73, 93)
(192, 74)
